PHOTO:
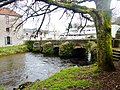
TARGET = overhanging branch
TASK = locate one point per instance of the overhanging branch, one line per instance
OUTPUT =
(69, 25)
(6, 2)
(42, 20)
(84, 26)
(74, 7)
(32, 15)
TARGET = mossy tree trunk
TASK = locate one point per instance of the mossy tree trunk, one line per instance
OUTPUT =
(104, 39)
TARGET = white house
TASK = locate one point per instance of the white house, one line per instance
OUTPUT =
(30, 34)
(115, 28)
(9, 20)
(89, 31)
(74, 33)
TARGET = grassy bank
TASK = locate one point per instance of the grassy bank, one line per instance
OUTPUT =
(12, 50)
(69, 79)
(1, 87)
(78, 78)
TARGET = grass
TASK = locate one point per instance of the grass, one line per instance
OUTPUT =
(67, 79)
(1, 87)
(12, 50)
(95, 75)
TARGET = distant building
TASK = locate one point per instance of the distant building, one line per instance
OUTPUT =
(74, 33)
(52, 35)
(87, 32)
(30, 34)
(8, 35)
(115, 26)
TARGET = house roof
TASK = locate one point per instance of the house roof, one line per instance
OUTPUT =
(7, 11)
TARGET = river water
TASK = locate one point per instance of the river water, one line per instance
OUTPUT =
(20, 68)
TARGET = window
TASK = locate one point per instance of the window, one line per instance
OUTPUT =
(7, 19)
(7, 29)
(8, 40)
(26, 33)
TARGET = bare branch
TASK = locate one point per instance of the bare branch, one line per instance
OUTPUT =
(78, 2)
(63, 14)
(32, 15)
(69, 25)
(84, 26)
(7, 2)
(42, 20)
(88, 18)
(75, 8)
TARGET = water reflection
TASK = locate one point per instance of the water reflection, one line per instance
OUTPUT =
(11, 69)
(16, 69)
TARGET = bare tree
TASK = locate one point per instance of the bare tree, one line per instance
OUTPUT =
(101, 15)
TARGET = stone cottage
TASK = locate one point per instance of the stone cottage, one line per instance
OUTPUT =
(9, 35)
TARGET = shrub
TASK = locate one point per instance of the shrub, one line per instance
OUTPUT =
(29, 45)
(48, 48)
(66, 49)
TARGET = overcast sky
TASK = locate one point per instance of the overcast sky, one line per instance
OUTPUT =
(61, 24)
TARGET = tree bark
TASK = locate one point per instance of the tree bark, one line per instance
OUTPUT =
(104, 39)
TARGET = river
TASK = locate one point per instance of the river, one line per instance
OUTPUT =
(19, 68)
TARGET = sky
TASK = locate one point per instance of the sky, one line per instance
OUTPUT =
(61, 24)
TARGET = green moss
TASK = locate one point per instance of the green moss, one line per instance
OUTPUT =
(36, 47)
(95, 75)
(89, 45)
(108, 42)
(69, 6)
(48, 48)
(66, 49)
(36, 50)
(93, 55)
(104, 40)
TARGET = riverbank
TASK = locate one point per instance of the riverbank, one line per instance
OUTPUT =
(79, 78)
(9, 50)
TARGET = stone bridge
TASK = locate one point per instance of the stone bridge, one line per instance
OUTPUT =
(77, 43)
(80, 43)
